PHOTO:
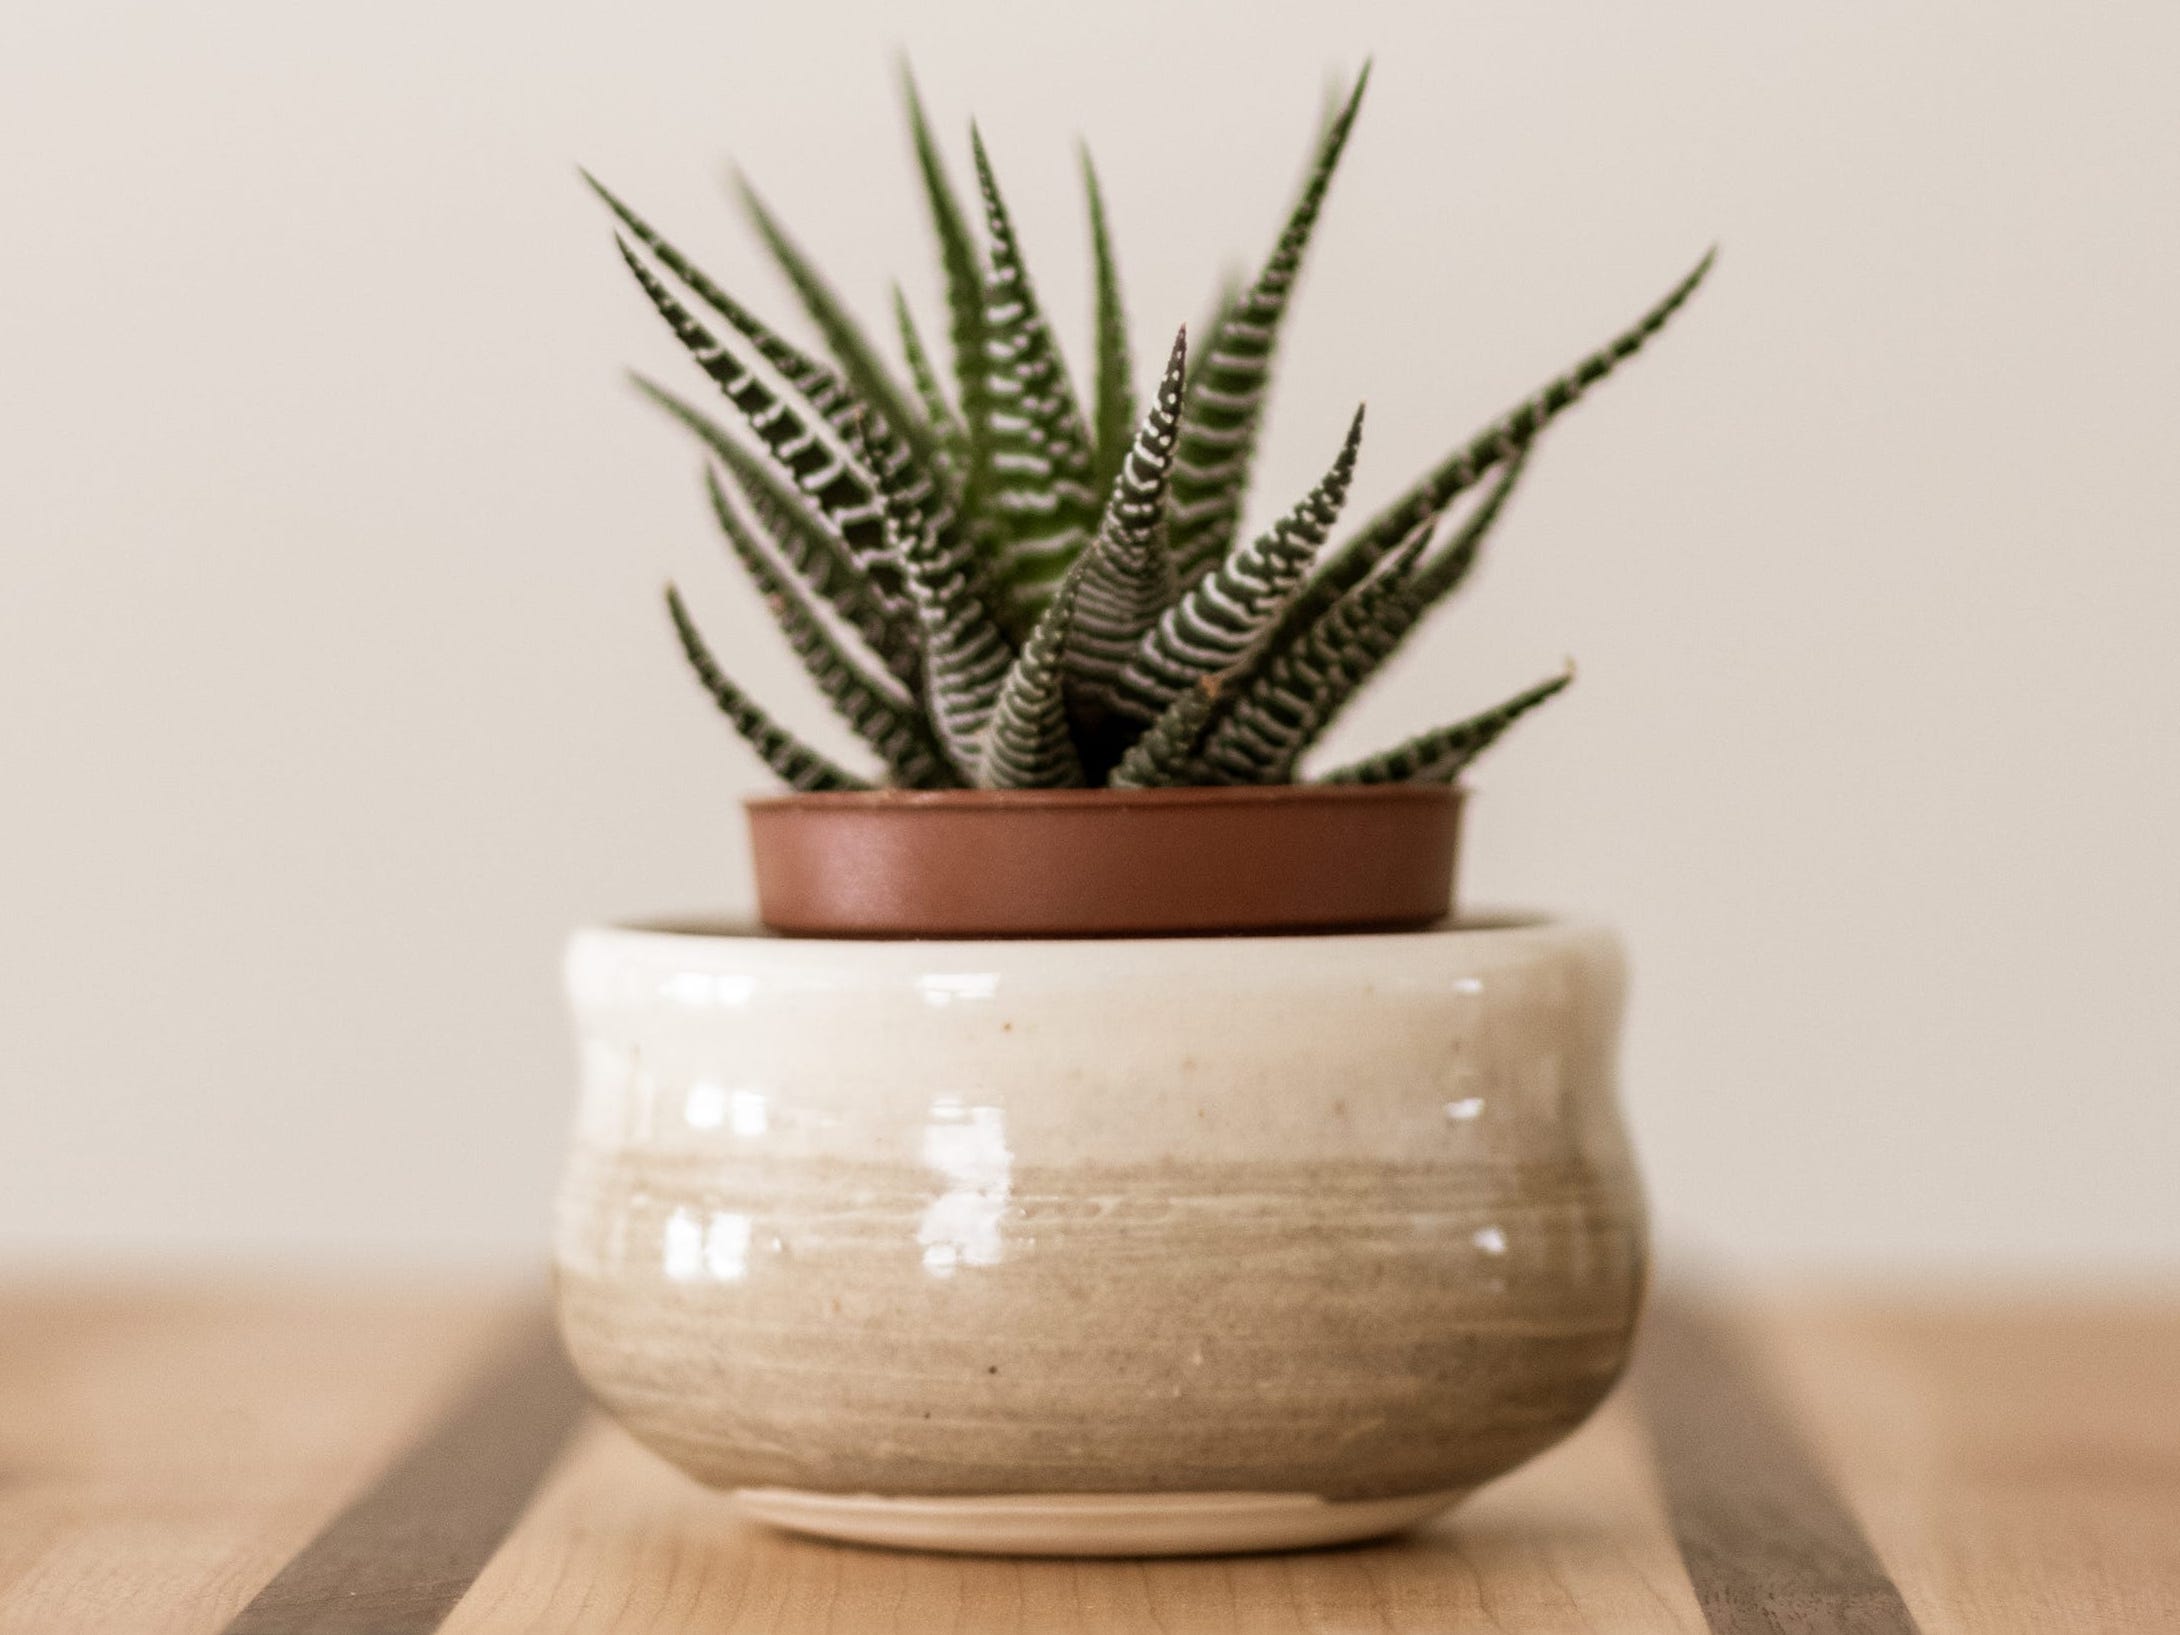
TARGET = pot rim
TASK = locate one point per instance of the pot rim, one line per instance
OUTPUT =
(1032, 800)
(742, 929)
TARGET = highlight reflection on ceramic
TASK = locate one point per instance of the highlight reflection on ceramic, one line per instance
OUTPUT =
(1331, 1218)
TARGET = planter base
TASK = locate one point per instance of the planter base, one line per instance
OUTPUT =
(1091, 1524)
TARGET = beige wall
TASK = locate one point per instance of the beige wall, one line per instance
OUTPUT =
(335, 687)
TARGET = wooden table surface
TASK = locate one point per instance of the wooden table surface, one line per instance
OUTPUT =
(265, 1460)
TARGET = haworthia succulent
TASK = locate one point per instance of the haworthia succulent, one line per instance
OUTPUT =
(1225, 402)
(1226, 612)
(1028, 744)
(893, 457)
(1275, 714)
(833, 448)
(1446, 571)
(965, 654)
(1041, 504)
(794, 762)
(1126, 573)
(1113, 418)
(1166, 753)
(857, 441)
(865, 371)
(814, 455)
(1292, 693)
(822, 390)
(871, 597)
(1439, 755)
(1059, 597)
(963, 267)
(966, 657)
(891, 724)
(925, 377)
(1496, 443)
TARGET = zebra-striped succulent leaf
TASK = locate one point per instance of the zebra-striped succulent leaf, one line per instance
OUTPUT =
(822, 391)
(1448, 570)
(875, 606)
(940, 413)
(1113, 419)
(1225, 613)
(799, 766)
(863, 369)
(1028, 744)
(1438, 756)
(1497, 443)
(1127, 574)
(1279, 711)
(962, 265)
(1165, 756)
(999, 590)
(965, 653)
(1291, 696)
(1225, 402)
(890, 723)
(1041, 506)
(815, 455)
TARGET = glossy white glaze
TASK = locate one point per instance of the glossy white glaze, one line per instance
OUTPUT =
(1308, 1219)
(1093, 1524)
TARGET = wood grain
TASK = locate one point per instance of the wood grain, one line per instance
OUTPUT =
(164, 1449)
(1573, 1542)
(2010, 1465)
(398, 1558)
(2015, 1459)
(1768, 1543)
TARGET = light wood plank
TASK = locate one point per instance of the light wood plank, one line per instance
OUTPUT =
(163, 1450)
(406, 1549)
(2015, 1460)
(2014, 1463)
(618, 1543)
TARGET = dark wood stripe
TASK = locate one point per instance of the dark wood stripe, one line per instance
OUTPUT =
(1770, 1547)
(398, 1558)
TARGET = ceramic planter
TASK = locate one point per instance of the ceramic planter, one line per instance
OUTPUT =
(1116, 1246)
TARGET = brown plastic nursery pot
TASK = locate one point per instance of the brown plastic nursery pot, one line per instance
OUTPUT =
(1105, 862)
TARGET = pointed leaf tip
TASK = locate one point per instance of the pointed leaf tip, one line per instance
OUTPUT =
(796, 763)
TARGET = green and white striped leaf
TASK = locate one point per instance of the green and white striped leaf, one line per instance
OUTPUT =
(1449, 569)
(925, 376)
(962, 266)
(1028, 744)
(895, 458)
(1276, 713)
(1126, 573)
(1226, 612)
(1040, 503)
(966, 655)
(796, 763)
(1475, 459)
(859, 362)
(1166, 753)
(872, 599)
(1438, 756)
(1290, 696)
(823, 391)
(1113, 418)
(891, 724)
(822, 461)
(1225, 403)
